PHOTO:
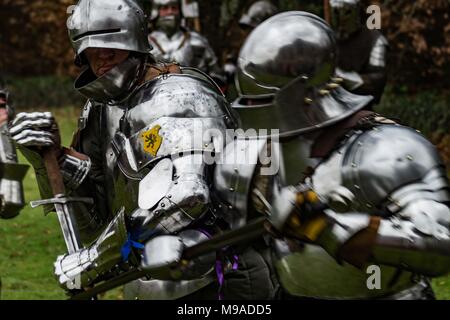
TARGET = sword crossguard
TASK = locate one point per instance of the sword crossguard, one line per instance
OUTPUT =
(60, 199)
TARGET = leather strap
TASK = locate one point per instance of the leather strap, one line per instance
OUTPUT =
(358, 249)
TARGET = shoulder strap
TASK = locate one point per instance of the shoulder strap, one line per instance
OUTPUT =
(157, 69)
(156, 43)
(331, 136)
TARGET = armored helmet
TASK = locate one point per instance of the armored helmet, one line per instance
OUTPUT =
(112, 24)
(286, 77)
(346, 17)
(257, 13)
(168, 24)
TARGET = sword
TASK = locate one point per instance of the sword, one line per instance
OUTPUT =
(249, 232)
(62, 204)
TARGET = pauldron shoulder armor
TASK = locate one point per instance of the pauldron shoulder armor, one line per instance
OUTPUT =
(372, 165)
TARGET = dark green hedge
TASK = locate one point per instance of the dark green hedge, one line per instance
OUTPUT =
(43, 92)
(427, 111)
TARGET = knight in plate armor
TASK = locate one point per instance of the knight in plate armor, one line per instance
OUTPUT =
(257, 13)
(172, 42)
(140, 152)
(362, 53)
(11, 172)
(346, 190)
(250, 19)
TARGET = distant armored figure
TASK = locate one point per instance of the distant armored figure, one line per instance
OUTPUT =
(172, 42)
(11, 173)
(257, 13)
(362, 53)
(353, 190)
(139, 156)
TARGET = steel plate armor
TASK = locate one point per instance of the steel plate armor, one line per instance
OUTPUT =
(384, 189)
(152, 135)
(11, 173)
(172, 42)
(143, 142)
(12, 199)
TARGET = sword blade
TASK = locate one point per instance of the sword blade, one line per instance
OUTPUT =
(68, 227)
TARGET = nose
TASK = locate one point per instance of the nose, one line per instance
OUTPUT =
(105, 54)
(172, 10)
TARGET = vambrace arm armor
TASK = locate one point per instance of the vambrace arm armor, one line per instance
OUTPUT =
(163, 257)
(74, 168)
(419, 243)
(389, 208)
(398, 203)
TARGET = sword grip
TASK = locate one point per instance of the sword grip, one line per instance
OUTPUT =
(53, 171)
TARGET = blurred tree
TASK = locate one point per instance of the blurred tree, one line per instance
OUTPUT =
(33, 35)
(419, 36)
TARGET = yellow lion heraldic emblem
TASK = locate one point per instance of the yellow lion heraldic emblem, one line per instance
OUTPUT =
(152, 140)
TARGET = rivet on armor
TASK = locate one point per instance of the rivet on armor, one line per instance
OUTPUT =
(332, 86)
(324, 92)
(360, 143)
(295, 221)
(308, 100)
(337, 80)
(368, 205)
(409, 157)
(236, 170)
(353, 165)
(230, 207)
(231, 189)
(162, 205)
(312, 197)
(169, 196)
(357, 187)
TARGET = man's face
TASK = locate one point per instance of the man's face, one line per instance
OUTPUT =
(3, 111)
(101, 60)
(169, 10)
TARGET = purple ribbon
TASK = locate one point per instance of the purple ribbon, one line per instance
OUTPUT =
(219, 267)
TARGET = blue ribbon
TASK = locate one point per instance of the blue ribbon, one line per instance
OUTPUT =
(128, 245)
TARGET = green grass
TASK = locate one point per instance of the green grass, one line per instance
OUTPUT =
(30, 243)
